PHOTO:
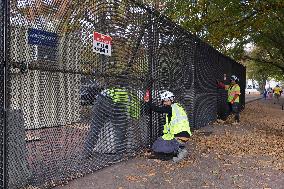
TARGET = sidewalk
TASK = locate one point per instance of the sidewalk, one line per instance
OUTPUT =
(249, 155)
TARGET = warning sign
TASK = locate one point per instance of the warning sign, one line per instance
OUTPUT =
(102, 44)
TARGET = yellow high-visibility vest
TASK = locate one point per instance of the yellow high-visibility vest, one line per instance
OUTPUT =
(131, 101)
(277, 90)
(232, 91)
(179, 122)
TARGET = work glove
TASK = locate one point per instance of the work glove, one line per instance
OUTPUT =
(220, 84)
(147, 96)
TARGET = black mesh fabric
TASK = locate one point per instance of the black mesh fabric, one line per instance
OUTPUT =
(2, 91)
(3, 167)
(73, 111)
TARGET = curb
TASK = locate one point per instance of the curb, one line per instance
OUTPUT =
(252, 100)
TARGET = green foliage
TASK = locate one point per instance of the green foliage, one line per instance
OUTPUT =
(229, 25)
(259, 70)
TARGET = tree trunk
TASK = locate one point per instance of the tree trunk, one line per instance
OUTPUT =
(262, 84)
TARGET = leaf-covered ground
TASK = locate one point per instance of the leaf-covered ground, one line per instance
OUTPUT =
(222, 155)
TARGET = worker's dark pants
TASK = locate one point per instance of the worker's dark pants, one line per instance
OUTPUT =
(276, 98)
(264, 95)
(104, 112)
(234, 109)
(166, 146)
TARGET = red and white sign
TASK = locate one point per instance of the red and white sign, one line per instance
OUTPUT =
(102, 44)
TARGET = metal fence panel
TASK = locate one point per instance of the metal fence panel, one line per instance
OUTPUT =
(223, 74)
(206, 61)
(173, 65)
(2, 118)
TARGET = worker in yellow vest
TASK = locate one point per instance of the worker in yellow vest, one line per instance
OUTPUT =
(277, 93)
(113, 106)
(176, 129)
(233, 99)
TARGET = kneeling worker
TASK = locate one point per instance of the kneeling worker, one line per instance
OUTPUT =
(176, 130)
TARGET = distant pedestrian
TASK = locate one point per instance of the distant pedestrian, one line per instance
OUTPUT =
(277, 92)
(270, 93)
(264, 94)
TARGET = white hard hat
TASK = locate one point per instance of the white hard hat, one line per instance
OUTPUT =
(235, 78)
(166, 95)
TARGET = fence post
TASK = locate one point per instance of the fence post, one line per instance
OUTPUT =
(150, 67)
(6, 48)
(2, 116)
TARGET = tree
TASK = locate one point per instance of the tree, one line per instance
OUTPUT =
(271, 40)
(260, 71)
(229, 25)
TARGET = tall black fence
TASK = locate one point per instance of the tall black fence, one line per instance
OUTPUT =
(62, 120)
(2, 93)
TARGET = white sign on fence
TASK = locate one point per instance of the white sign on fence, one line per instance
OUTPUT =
(102, 44)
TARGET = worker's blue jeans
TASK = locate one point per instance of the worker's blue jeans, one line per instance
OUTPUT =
(166, 146)
(106, 111)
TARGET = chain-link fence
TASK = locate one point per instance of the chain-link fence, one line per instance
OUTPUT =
(73, 111)
(2, 94)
